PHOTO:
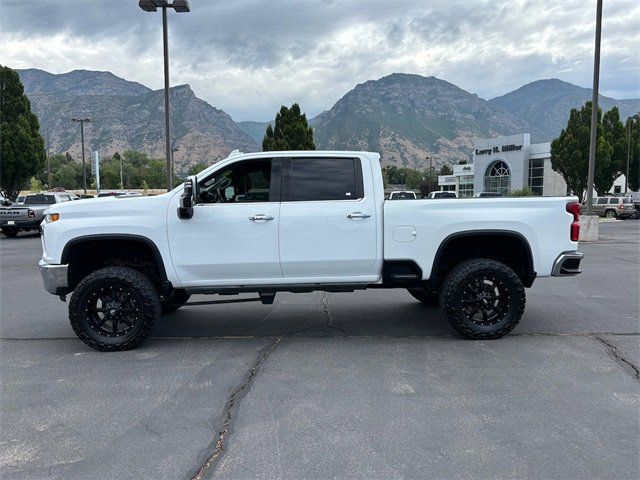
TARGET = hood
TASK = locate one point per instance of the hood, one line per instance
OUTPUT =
(109, 206)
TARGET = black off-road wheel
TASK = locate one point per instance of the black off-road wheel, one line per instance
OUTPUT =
(114, 308)
(10, 232)
(425, 296)
(173, 303)
(483, 298)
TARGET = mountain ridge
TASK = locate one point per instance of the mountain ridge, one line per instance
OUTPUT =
(406, 117)
(128, 115)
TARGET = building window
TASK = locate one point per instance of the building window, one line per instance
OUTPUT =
(448, 188)
(466, 186)
(498, 178)
(536, 175)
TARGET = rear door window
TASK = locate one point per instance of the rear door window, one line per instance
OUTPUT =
(601, 201)
(316, 179)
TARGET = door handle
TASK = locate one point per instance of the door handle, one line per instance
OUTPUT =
(260, 217)
(358, 215)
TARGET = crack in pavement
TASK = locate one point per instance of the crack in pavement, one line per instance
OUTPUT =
(230, 408)
(613, 351)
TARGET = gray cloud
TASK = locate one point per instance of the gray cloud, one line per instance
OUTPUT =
(249, 57)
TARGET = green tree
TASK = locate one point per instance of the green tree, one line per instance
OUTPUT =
(291, 131)
(22, 151)
(446, 170)
(633, 126)
(35, 185)
(570, 151)
(197, 168)
(615, 135)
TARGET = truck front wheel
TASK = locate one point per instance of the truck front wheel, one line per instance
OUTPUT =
(114, 308)
(483, 298)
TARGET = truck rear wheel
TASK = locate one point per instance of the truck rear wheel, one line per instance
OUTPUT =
(114, 308)
(483, 298)
(10, 232)
(425, 296)
(178, 299)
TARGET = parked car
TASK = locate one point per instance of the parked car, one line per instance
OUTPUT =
(28, 215)
(442, 194)
(403, 195)
(327, 227)
(487, 195)
(612, 207)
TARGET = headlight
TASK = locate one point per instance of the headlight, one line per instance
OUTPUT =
(51, 217)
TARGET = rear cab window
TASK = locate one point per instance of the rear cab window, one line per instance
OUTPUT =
(321, 179)
(40, 200)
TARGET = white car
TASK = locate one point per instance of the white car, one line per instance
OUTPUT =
(442, 194)
(403, 195)
(299, 221)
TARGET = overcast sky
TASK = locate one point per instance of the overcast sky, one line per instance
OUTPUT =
(249, 57)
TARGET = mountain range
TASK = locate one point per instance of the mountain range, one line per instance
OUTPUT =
(407, 118)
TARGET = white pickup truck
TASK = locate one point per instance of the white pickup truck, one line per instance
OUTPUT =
(299, 222)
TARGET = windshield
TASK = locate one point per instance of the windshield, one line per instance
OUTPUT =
(40, 200)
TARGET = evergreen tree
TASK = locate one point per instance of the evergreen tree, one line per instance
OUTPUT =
(291, 131)
(633, 124)
(615, 135)
(446, 170)
(570, 151)
(22, 152)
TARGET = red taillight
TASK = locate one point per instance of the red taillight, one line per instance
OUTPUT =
(621, 207)
(31, 214)
(574, 209)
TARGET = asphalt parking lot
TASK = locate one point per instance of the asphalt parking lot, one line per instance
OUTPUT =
(366, 385)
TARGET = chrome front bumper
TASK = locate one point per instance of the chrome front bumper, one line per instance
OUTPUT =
(567, 264)
(54, 277)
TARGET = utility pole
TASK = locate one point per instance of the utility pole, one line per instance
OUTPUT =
(594, 109)
(121, 183)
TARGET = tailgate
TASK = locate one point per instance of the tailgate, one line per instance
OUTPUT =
(13, 213)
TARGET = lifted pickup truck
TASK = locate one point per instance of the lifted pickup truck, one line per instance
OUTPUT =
(299, 222)
(28, 215)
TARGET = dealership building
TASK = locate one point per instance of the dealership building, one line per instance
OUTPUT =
(503, 164)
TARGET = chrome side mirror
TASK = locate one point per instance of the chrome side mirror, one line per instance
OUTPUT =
(187, 200)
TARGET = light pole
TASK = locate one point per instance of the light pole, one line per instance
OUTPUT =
(180, 6)
(121, 182)
(594, 109)
(82, 121)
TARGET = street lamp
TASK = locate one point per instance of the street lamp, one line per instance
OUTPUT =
(594, 108)
(180, 6)
(82, 121)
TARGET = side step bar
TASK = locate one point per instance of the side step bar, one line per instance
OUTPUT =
(265, 298)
